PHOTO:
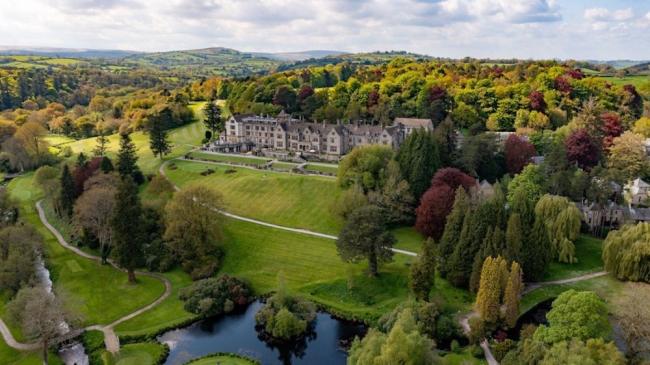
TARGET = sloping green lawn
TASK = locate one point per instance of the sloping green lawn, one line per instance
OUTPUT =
(135, 354)
(285, 199)
(183, 139)
(235, 159)
(99, 292)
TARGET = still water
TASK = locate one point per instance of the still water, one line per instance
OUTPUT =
(236, 333)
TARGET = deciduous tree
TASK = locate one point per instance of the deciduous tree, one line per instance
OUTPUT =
(582, 150)
(518, 153)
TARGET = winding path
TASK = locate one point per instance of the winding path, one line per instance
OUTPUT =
(111, 340)
(271, 225)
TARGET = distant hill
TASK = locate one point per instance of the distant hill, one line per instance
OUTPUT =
(639, 69)
(65, 52)
(299, 56)
(206, 61)
(370, 58)
(618, 64)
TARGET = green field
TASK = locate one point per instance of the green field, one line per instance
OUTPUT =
(463, 358)
(635, 80)
(284, 199)
(285, 166)
(235, 159)
(331, 169)
(183, 140)
(589, 253)
(100, 293)
(135, 354)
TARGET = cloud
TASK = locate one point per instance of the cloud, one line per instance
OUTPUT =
(453, 28)
(605, 15)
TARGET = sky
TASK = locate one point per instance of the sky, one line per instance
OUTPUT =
(565, 29)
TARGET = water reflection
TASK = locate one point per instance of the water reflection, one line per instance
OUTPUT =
(325, 344)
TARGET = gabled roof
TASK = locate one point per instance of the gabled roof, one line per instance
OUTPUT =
(638, 183)
(414, 122)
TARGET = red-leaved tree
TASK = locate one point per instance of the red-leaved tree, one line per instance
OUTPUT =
(83, 173)
(436, 203)
(537, 101)
(582, 150)
(612, 128)
(518, 153)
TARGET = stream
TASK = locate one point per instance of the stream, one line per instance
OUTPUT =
(73, 354)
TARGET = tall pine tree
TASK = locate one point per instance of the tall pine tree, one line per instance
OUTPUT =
(126, 157)
(418, 159)
(127, 227)
(512, 295)
(159, 139)
(67, 193)
(453, 229)
(423, 271)
(536, 252)
(514, 238)
(212, 120)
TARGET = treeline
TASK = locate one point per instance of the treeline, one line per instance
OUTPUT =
(478, 96)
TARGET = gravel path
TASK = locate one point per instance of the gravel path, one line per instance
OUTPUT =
(276, 226)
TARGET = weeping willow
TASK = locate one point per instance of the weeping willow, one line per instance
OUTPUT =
(562, 220)
(626, 252)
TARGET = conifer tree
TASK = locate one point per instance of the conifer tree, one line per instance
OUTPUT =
(511, 297)
(159, 139)
(453, 229)
(418, 159)
(536, 252)
(212, 119)
(488, 299)
(126, 157)
(514, 237)
(67, 193)
(423, 271)
(82, 160)
(127, 227)
(107, 165)
(102, 144)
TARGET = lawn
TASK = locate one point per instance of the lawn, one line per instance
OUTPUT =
(286, 166)
(183, 139)
(408, 239)
(9, 356)
(135, 354)
(285, 199)
(589, 253)
(235, 159)
(169, 313)
(607, 287)
(463, 358)
(635, 80)
(222, 360)
(331, 169)
(99, 292)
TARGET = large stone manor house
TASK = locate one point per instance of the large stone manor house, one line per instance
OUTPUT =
(329, 141)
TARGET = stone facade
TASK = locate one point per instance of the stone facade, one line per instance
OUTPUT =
(283, 133)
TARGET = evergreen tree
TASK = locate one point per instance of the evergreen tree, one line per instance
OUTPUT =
(418, 159)
(514, 238)
(536, 252)
(102, 143)
(126, 157)
(82, 161)
(423, 271)
(159, 139)
(475, 227)
(512, 295)
(67, 193)
(107, 165)
(365, 236)
(453, 230)
(488, 299)
(212, 119)
(127, 227)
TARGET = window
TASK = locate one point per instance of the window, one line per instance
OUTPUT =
(331, 140)
(232, 126)
(248, 127)
(332, 148)
(280, 144)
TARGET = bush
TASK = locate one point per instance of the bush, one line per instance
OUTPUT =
(215, 296)
(477, 351)
(500, 349)
(455, 346)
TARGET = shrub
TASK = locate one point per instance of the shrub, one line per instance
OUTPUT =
(215, 296)
(500, 349)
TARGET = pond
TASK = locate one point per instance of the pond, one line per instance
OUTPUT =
(236, 333)
(536, 316)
